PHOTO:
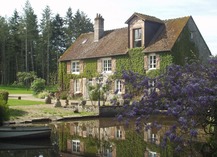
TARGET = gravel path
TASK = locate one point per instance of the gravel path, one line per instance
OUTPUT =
(24, 97)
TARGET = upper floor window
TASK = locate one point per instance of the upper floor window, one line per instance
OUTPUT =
(191, 35)
(137, 37)
(107, 65)
(75, 67)
(152, 61)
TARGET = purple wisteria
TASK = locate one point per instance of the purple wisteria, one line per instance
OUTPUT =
(188, 94)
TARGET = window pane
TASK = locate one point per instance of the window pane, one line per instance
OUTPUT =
(152, 61)
(107, 65)
(137, 37)
(75, 66)
(118, 86)
(76, 86)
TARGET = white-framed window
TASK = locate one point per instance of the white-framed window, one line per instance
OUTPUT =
(107, 153)
(153, 138)
(75, 67)
(76, 145)
(107, 65)
(137, 37)
(152, 87)
(152, 61)
(119, 133)
(118, 86)
(77, 88)
(152, 154)
(90, 82)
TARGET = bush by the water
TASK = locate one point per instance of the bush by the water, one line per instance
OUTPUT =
(4, 110)
(4, 96)
(43, 94)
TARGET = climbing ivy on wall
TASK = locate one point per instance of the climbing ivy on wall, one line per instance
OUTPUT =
(184, 48)
(89, 71)
(90, 68)
(134, 61)
(134, 141)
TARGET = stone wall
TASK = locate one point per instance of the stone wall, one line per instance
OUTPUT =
(110, 111)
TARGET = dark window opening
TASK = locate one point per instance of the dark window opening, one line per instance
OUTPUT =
(137, 37)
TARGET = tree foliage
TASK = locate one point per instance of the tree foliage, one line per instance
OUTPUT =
(27, 44)
(185, 93)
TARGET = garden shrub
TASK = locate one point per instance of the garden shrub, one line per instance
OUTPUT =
(63, 95)
(43, 94)
(38, 85)
(4, 96)
(4, 110)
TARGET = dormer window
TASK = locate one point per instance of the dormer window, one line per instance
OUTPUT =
(137, 37)
(75, 67)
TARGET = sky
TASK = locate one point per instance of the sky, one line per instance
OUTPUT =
(117, 12)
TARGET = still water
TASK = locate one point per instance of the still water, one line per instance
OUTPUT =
(101, 137)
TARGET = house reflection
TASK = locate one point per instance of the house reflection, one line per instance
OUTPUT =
(108, 138)
(152, 136)
(92, 138)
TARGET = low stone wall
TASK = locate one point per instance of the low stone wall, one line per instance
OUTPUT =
(92, 106)
(110, 111)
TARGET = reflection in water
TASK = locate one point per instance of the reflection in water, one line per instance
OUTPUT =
(100, 138)
(27, 148)
(109, 138)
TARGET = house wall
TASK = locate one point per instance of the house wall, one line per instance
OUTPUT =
(184, 48)
(190, 44)
(151, 29)
(201, 45)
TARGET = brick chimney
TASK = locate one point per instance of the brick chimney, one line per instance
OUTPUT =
(98, 27)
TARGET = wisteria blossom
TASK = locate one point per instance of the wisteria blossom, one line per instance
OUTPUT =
(187, 93)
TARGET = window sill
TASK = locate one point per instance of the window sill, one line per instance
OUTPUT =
(107, 72)
(152, 69)
(76, 73)
(78, 92)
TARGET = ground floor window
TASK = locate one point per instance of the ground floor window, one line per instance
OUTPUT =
(118, 86)
(76, 145)
(77, 86)
(152, 154)
(152, 88)
(119, 133)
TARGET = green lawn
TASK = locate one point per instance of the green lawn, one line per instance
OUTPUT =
(16, 90)
(16, 102)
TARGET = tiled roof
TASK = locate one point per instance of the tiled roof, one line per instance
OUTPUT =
(167, 35)
(145, 17)
(114, 42)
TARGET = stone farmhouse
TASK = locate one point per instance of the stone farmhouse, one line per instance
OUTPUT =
(146, 44)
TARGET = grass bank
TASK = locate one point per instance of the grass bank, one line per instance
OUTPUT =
(15, 102)
(29, 112)
(16, 90)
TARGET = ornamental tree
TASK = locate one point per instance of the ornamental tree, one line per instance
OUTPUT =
(188, 94)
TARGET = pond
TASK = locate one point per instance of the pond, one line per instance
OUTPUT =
(98, 137)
